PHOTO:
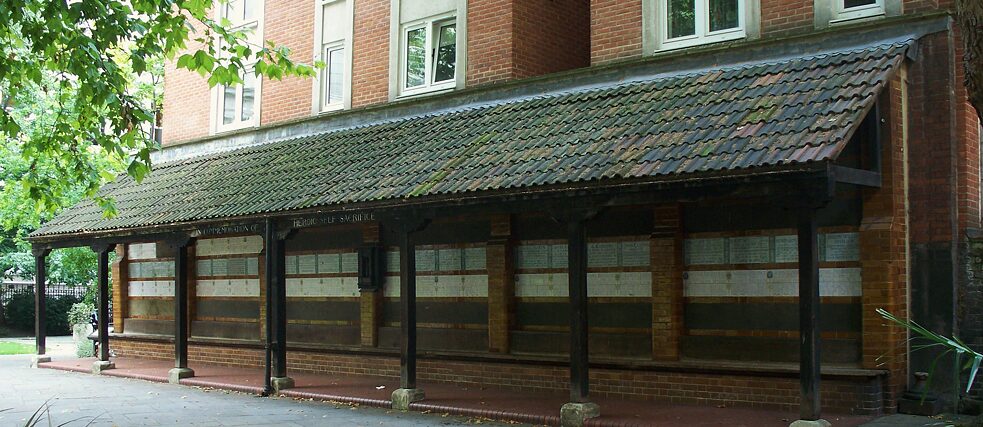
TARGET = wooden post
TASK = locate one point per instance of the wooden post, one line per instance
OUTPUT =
(407, 392)
(577, 270)
(40, 277)
(181, 369)
(276, 297)
(809, 362)
(407, 311)
(102, 277)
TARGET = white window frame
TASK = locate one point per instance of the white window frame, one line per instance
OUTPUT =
(320, 102)
(218, 92)
(841, 13)
(405, 14)
(432, 27)
(702, 35)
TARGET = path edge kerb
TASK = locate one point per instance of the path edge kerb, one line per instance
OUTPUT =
(497, 415)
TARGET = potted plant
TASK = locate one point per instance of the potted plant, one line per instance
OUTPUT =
(79, 317)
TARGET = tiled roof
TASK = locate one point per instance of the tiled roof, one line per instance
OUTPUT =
(783, 112)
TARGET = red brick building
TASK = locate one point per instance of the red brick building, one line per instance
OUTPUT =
(607, 196)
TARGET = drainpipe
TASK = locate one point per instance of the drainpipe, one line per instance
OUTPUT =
(269, 241)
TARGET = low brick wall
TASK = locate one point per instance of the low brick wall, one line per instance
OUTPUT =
(850, 395)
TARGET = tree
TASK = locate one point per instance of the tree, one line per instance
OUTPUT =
(969, 18)
(86, 55)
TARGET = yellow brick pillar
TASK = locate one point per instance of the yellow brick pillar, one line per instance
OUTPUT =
(666, 252)
(501, 286)
(370, 302)
(120, 272)
(884, 249)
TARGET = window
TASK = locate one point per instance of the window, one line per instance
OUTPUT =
(854, 9)
(237, 106)
(429, 56)
(332, 44)
(693, 22)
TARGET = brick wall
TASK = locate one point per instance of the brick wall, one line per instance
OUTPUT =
(842, 395)
(884, 250)
(187, 108)
(490, 41)
(780, 17)
(615, 30)
(370, 59)
(550, 36)
(289, 24)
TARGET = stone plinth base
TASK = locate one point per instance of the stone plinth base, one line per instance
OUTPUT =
(174, 375)
(102, 365)
(281, 383)
(404, 396)
(39, 358)
(810, 423)
(576, 414)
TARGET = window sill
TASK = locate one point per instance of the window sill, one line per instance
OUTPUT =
(857, 18)
(677, 46)
(424, 93)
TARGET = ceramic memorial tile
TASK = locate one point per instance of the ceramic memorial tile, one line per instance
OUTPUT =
(392, 261)
(307, 264)
(558, 256)
(787, 248)
(602, 254)
(426, 260)
(450, 259)
(635, 253)
(705, 251)
(750, 250)
(532, 256)
(474, 258)
(842, 247)
(252, 266)
(349, 262)
(328, 263)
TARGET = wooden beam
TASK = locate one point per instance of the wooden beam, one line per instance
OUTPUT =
(577, 271)
(407, 311)
(277, 291)
(848, 175)
(181, 301)
(40, 311)
(102, 281)
(809, 339)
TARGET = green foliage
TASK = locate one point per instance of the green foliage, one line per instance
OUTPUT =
(84, 62)
(19, 313)
(84, 348)
(946, 344)
(80, 313)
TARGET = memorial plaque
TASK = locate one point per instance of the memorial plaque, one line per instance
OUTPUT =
(705, 251)
(306, 264)
(842, 247)
(450, 259)
(220, 267)
(349, 262)
(426, 260)
(749, 250)
(237, 266)
(558, 256)
(290, 264)
(474, 259)
(204, 268)
(135, 270)
(252, 266)
(602, 254)
(532, 256)
(328, 263)
(635, 253)
(392, 261)
(786, 249)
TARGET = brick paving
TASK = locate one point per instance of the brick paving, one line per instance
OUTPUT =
(85, 399)
(499, 404)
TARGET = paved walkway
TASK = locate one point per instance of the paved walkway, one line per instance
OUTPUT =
(534, 408)
(127, 402)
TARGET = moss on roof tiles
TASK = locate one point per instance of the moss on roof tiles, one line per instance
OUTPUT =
(751, 115)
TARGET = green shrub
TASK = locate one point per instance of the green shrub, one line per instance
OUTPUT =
(80, 313)
(19, 313)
